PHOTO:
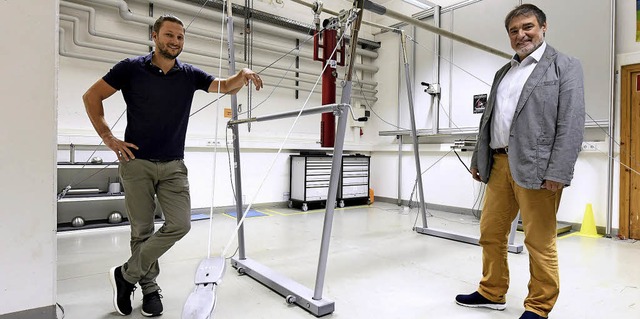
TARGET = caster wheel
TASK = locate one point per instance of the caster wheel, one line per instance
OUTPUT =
(290, 204)
(305, 207)
(241, 271)
(290, 299)
(341, 204)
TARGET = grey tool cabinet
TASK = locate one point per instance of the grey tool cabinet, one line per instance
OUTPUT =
(309, 180)
(354, 180)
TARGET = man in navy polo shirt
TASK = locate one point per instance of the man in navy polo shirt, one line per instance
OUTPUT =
(158, 90)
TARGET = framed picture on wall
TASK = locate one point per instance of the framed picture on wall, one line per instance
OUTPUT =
(479, 103)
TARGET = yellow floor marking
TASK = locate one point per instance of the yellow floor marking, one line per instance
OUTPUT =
(578, 234)
(312, 211)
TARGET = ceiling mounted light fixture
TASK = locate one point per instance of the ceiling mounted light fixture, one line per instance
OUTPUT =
(422, 4)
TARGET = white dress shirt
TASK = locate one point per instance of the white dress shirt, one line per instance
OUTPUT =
(508, 94)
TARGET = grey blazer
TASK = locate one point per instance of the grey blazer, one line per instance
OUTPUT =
(548, 125)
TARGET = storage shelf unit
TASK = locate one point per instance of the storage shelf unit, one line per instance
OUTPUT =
(310, 175)
(93, 202)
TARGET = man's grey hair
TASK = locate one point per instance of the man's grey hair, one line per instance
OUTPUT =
(526, 9)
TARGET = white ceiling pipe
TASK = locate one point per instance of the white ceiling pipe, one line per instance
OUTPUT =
(128, 15)
(92, 25)
(76, 40)
(93, 31)
(63, 52)
(195, 11)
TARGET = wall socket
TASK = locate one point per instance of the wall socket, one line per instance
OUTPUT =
(589, 146)
(286, 196)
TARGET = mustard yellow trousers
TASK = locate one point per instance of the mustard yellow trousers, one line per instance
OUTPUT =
(538, 208)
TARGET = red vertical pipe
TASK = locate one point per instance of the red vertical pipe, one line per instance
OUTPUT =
(328, 123)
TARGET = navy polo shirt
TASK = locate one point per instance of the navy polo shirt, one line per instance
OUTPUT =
(158, 104)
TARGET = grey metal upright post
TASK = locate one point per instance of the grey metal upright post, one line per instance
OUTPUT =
(399, 137)
(612, 127)
(336, 166)
(435, 98)
(416, 151)
(337, 153)
(236, 139)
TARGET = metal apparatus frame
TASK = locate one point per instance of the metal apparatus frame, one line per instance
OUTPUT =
(294, 292)
(514, 248)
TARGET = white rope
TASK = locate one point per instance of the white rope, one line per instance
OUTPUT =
(215, 139)
(215, 146)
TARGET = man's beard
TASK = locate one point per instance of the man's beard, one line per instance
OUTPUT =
(165, 53)
(526, 51)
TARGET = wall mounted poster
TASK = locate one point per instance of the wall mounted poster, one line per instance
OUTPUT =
(637, 20)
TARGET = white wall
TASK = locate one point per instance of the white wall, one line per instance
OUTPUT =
(27, 136)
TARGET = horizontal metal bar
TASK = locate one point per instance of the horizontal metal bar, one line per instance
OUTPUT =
(516, 249)
(469, 130)
(421, 24)
(277, 116)
(294, 292)
(429, 132)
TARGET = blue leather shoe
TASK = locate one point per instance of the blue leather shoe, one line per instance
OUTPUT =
(531, 315)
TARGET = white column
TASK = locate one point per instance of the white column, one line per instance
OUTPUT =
(28, 104)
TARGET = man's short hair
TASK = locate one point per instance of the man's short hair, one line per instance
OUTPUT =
(526, 9)
(163, 18)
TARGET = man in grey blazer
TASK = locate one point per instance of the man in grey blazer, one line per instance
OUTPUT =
(529, 138)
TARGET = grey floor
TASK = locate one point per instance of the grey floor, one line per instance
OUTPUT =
(378, 268)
